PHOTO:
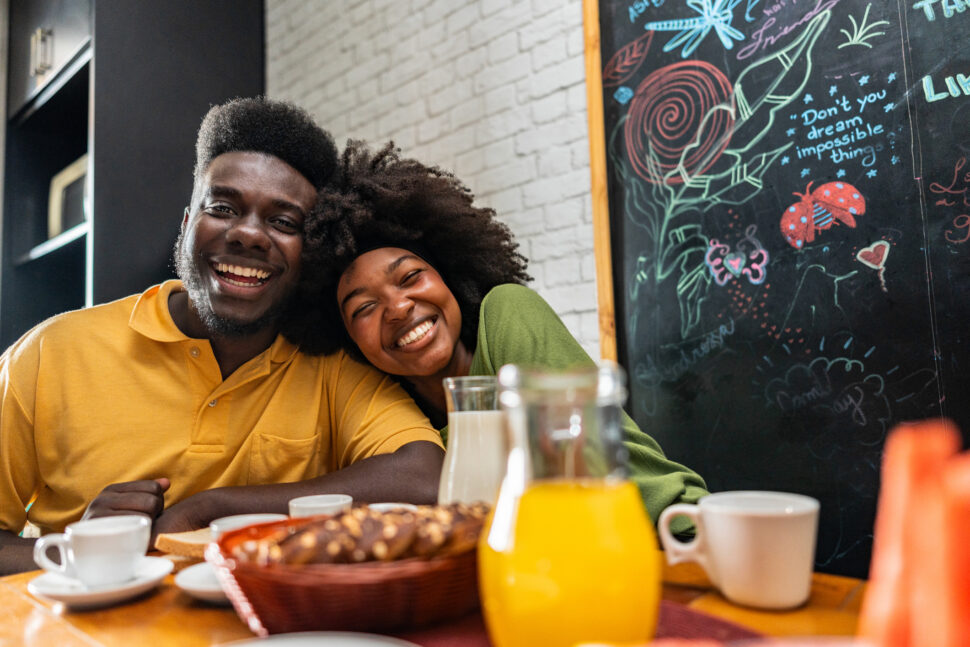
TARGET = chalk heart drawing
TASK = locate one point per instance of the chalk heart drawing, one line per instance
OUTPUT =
(874, 255)
(734, 263)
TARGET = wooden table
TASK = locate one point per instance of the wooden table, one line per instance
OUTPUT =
(169, 617)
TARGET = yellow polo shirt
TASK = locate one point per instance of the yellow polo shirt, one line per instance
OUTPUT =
(116, 393)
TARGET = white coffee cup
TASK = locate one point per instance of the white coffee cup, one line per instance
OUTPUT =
(97, 552)
(222, 525)
(757, 547)
(307, 506)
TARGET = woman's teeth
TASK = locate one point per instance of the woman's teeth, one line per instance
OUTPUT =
(416, 333)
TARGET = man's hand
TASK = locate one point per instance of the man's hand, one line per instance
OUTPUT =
(134, 497)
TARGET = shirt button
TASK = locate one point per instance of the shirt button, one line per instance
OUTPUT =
(194, 351)
(213, 403)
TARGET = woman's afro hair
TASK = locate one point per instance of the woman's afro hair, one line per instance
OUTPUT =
(381, 200)
(262, 125)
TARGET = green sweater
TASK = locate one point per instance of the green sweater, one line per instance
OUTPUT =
(516, 326)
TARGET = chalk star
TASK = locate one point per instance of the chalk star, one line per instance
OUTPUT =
(832, 90)
(888, 107)
(784, 160)
(790, 132)
(809, 98)
(895, 159)
(864, 79)
(872, 173)
(840, 173)
(805, 172)
(891, 77)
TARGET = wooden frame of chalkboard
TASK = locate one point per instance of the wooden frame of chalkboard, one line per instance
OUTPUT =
(597, 166)
(781, 202)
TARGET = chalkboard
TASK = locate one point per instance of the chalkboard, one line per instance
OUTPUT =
(789, 227)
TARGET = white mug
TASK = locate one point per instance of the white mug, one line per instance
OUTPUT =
(97, 552)
(307, 506)
(757, 547)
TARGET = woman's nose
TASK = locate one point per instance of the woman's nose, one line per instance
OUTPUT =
(399, 308)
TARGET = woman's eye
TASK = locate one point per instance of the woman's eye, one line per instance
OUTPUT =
(361, 310)
(410, 276)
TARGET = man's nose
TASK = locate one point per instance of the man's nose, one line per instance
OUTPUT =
(249, 230)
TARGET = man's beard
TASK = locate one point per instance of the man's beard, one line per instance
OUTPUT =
(188, 272)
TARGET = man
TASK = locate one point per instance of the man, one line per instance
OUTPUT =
(184, 403)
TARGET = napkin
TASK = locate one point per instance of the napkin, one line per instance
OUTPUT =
(919, 585)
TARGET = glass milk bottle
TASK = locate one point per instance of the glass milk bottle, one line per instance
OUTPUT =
(476, 452)
(570, 555)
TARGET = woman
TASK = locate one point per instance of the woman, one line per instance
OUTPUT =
(403, 271)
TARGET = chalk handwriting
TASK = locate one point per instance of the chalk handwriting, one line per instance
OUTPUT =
(640, 6)
(765, 36)
(846, 129)
(949, 7)
(955, 86)
(958, 191)
(811, 387)
(670, 371)
(960, 222)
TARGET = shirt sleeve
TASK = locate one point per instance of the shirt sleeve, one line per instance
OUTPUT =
(370, 413)
(18, 465)
(517, 326)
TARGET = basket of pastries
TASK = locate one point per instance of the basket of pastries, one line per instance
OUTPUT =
(362, 569)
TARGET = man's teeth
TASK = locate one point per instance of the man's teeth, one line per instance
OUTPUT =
(238, 270)
(416, 333)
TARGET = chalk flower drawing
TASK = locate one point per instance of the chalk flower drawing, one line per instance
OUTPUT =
(861, 32)
(719, 165)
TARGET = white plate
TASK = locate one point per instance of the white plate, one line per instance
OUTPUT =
(326, 639)
(200, 581)
(75, 595)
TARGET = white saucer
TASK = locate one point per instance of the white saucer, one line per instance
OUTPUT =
(200, 581)
(325, 639)
(75, 595)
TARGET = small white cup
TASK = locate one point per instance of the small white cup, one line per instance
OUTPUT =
(390, 507)
(97, 552)
(757, 547)
(307, 506)
(222, 525)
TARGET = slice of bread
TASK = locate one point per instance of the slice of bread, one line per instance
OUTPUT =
(191, 543)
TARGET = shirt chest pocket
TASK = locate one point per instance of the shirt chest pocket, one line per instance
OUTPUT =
(276, 459)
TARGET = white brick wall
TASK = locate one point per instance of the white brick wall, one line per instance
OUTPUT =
(493, 90)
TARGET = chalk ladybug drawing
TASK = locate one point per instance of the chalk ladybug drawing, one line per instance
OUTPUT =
(819, 209)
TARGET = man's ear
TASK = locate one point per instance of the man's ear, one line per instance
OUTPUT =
(185, 218)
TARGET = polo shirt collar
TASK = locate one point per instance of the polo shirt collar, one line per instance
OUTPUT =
(151, 317)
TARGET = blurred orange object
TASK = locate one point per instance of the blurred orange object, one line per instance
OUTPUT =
(908, 569)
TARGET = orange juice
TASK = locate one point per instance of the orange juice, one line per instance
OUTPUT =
(582, 565)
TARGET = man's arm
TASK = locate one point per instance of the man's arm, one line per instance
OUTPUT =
(410, 474)
(16, 553)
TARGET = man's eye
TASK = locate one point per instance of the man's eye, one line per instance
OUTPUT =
(219, 210)
(288, 225)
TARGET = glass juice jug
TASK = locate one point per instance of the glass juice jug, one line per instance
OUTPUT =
(570, 555)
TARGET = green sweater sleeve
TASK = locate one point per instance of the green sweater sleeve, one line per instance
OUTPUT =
(516, 326)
